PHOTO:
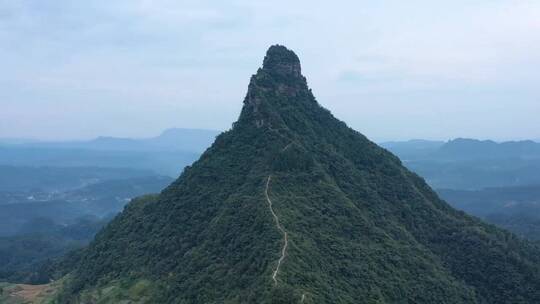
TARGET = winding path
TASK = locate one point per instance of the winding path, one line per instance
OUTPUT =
(283, 231)
(280, 228)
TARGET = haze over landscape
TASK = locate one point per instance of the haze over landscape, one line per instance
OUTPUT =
(172, 152)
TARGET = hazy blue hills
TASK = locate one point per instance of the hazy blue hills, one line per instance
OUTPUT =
(471, 164)
(56, 179)
(514, 208)
(166, 154)
(54, 196)
(16, 141)
(460, 149)
(176, 139)
(169, 163)
(478, 174)
(413, 149)
(509, 200)
(498, 182)
(98, 198)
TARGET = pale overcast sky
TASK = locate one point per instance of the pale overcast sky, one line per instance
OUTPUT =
(391, 69)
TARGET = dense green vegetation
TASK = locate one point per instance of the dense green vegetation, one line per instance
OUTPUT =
(30, 257)
(361, 227)
(38, 228)
(514, 208)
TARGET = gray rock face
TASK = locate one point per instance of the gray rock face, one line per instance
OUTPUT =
(281, 61)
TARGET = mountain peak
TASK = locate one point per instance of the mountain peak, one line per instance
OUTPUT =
(276, 87)
(281, 61)
(293, 206)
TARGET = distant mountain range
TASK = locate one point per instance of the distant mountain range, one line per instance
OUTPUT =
(414, 148)
(514, 208)
(166, 154)
(470, 163)
(176, 139)
(498, 182)
(463, 149)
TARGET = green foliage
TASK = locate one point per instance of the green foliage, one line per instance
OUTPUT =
(121, 291)
(513, 208)
(284, 295)
(35, 256)
(361, 227)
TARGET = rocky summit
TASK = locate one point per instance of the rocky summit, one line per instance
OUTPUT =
(293, 206)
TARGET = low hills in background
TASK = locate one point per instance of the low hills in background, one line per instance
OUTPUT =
(55, 196)
(174, 139)
(166, 154)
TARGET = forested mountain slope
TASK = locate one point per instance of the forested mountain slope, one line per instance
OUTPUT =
(293, 206)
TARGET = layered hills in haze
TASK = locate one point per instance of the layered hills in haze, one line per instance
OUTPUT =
(464, 149)
(293, 206)
(497, 182)
(471, 164)
(166, 154)
(175, 139)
